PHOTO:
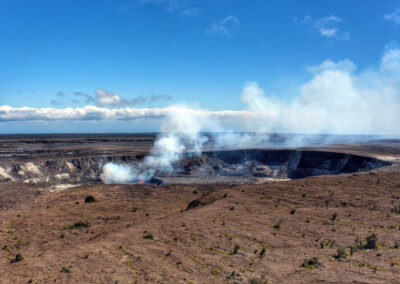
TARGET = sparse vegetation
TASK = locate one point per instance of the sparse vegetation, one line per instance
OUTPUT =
(278, 225)
(148, 236)
(261, 280)
(17, 258)
(236, 249)
(79, 225)
(215, 271)
(334, 216)
(310, 263)
(66, 270)
(340, 253)
(372, 242)
(231, 276)
(395, 210)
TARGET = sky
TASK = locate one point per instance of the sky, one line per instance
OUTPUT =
(143, 56)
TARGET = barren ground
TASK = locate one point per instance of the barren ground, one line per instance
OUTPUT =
(150, 234)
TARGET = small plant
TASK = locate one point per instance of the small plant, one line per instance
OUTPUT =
(395, 210)
(334, 216)
(66, 269)
(148, 236)
(5, 247)
(261, 280)
(304, 195)
(340, 253)
(310, 263)
(372, 242)
(262, 253)
(231, 276)
(359, 244)
(396, 245)
(352, 250)
(90, 199)
(17, 258)
(79, 225)
(278, 225)
(236, 249)
(215, 271)
(292, 211)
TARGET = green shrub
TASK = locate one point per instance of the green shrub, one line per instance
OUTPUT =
(17, 258)
(310, 263)
(79, 225)
(236, 249)
(148, 236)
(372, 242)
(278, 225)
(215, 271)
(261, 280)
(340, 253)
(66, 269)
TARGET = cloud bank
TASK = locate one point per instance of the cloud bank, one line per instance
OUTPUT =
(337, 99)
(8, 113)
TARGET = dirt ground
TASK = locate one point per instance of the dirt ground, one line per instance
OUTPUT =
(233, 234)
(326, 229)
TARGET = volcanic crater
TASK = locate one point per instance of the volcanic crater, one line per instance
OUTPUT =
(211, 166)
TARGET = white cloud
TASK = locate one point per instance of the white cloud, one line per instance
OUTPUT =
(224, 27)
(327, 27)
(169, 5)
(8, 113)
(105, 98)
(394, 16)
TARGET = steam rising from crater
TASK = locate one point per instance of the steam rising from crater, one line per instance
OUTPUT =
(336, 100)
(181, 131)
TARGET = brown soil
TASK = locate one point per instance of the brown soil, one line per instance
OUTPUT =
(150, 234)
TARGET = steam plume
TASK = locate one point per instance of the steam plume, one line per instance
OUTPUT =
(181, 131)
(336, 100)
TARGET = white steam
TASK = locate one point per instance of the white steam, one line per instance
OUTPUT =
(181, 132)
(336, 100)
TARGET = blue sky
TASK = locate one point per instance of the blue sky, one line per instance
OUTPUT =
(153, 53)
